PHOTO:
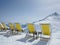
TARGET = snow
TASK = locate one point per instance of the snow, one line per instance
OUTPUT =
(53, 19)
(16, 40)
(11, 40)
(55, 39)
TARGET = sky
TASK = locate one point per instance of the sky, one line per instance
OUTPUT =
(27, 11)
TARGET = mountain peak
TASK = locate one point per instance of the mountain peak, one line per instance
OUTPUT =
(55, 13)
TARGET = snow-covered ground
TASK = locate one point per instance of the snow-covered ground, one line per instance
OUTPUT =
(55, 39)
(20, 40)
(53, 19)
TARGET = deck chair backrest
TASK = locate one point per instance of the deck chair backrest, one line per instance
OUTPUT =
(11, 26)
(45, 29)
(31, 28)
(4, 26)
(18, 27)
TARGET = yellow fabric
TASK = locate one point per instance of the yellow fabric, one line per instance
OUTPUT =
(11, 26)
(45, 29)
(31, 28)
(18, 27)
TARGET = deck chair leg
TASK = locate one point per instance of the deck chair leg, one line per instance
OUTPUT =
(17, 32)
(37, 35)
(11, 31)
(33, 35)
(26, 35)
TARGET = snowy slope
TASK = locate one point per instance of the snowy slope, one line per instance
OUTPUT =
(53, 19)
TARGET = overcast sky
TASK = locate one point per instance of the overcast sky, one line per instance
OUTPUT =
(25, 11)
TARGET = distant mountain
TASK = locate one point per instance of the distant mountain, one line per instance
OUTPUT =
(24, 25)
(53, 19)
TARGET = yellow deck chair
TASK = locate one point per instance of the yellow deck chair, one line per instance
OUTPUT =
(18, 27)
(4, 27)
(11, 26)
(45, 29)
(31, 29)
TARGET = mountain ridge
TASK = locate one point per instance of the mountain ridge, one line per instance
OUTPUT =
(53, 14)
